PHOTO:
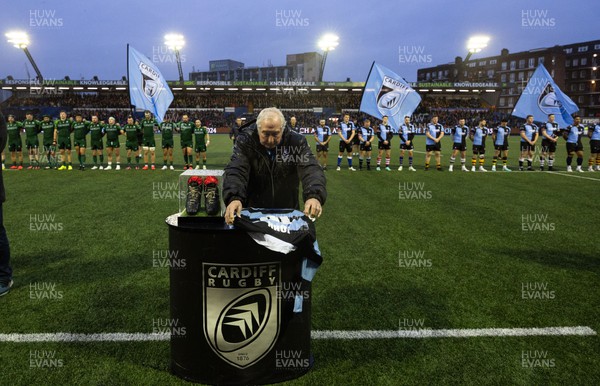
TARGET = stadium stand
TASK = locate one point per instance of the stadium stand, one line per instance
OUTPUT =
(219, 110)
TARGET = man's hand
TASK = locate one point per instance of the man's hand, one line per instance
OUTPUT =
(234, 208)
(312, 208)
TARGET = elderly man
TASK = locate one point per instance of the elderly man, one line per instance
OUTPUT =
(267, 164)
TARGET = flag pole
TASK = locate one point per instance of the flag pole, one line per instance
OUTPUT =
(366, 80)
(129, 84)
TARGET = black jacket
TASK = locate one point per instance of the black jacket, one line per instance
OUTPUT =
(262, 180)
(235, 131)
(3, 138)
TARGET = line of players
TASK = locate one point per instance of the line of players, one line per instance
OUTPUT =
(358, 141)
(138, 137)
(353, 141)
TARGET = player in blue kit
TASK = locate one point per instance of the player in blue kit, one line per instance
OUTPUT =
(529, 136)
(322, 136)
(384, 135)
(434, 133)
(347, 132)
(573, 134)
(406, 133)
(500, 137)
(549, 134)
(594, 134)
(478, 135)
(459, 138)
(365, 135)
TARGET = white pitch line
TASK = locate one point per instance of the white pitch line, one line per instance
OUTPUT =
(317, 334)
(69, 337)
(574, 176)
(456, 333)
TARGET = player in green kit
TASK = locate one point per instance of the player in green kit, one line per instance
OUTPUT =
(113, 130)
(96, 133)
(202, 141)
(80, 131)
(166, 129)
(62, 138)
(47, 127)
(15, 144)
(32, 142)
(131, 143)
(149, 145)
(186, 128)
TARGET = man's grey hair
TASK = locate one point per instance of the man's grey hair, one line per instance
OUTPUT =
(269, 111)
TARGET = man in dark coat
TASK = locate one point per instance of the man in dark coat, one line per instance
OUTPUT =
(5, 269)
(235, 129)
(268, 163)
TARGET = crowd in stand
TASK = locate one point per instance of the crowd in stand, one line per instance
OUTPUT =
(294, 101)
(294, 98)
(70, 100)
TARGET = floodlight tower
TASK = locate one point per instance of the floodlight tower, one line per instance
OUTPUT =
(327, 43)
(21, 40)
(176, 43)
(476, 44)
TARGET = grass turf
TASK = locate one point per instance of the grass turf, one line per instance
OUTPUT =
(464, 229)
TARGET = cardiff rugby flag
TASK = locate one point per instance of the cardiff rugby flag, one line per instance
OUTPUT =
(386, 93)
(148, 89)
(542, 97)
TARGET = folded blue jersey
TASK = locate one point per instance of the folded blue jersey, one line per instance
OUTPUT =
(283, 230)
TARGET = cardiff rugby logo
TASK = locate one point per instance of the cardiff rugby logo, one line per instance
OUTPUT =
(241, 310)
(151, 81)
(391, 96)
(547, 101)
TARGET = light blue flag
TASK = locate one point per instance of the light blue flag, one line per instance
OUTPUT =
(541, 97)
(386, 93)
(148, 89)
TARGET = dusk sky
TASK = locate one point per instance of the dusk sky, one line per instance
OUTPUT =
(87, 38)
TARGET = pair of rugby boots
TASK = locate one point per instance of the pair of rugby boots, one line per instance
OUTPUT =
(196, 188)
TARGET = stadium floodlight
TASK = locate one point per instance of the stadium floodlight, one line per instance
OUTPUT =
(327, 43)
(20, 40)
(476, 44)
(176, 43)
